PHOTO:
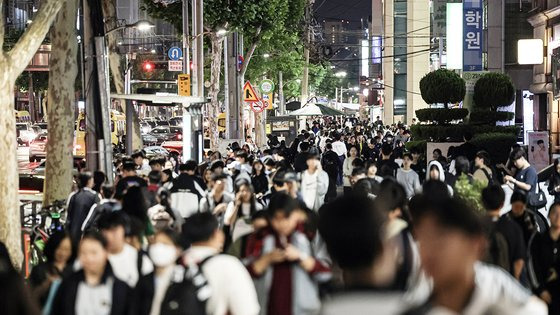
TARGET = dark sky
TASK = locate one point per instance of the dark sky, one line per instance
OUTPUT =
(352, 10)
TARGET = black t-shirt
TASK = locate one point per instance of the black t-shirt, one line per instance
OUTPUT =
(127, 182)
(527, 224)
(514, 236)
(387, 168)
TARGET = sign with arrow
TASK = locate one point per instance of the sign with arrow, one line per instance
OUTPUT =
(249, 94)
(175, 53)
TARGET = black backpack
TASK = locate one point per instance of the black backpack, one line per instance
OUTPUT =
(490, 178)
(188, 296)
(498, 251)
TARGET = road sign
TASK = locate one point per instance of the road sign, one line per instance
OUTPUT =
(174, 53)
(184, 83)
(266, 86)
(258, 107)
(249, 94)
(175, 65)
(267, 99)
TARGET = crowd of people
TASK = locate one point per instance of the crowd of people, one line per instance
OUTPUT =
(343, 220)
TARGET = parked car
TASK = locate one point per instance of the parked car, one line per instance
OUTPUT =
(176, 133)
(174, 147)
(42, 125)
(176, 121)
(162, 123)
(39, 169)
(38, 148)
(27, 133)
(155, 151)
(161, 134)
(149, 140)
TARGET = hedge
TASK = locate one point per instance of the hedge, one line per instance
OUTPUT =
(420, 145)
(441, 115)
(498, 145)
(493, 90)
(452, 133)
(489, 116)
(442, 86)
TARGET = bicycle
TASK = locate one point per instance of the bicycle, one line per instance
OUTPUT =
(37, 228)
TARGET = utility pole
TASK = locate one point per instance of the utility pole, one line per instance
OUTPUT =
(186, 52)
(281, 99)
(234, 90)
(198, 48)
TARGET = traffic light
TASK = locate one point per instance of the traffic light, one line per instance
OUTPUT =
(148, 66)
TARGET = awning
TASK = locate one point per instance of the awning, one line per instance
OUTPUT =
(160, 99)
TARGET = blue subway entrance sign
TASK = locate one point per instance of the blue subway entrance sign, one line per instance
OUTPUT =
(472, 35)
(175, 53)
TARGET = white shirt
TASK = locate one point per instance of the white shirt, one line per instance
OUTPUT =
(94, 300)
(232, 288)
(309, 188)
(339, 148)
(497, 292)
(125, 264)
(161, 284)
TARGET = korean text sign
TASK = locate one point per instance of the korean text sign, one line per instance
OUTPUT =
(472, 35)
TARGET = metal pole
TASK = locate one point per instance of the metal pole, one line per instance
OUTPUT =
(198, 47)
(186, 51)
(233, 125)
(103, 79)
(129, 108)
(281, 99)
(226, 87)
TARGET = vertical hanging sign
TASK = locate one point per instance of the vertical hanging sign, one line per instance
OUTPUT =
(472, 35)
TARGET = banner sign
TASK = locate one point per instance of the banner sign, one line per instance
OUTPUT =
(472, 35)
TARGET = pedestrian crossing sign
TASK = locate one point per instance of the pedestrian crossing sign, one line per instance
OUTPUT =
(249, 94)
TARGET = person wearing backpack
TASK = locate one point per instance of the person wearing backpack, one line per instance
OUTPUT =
(128, 264)
(483, 173)
(331, 164)
(231, 288)
(506, 247)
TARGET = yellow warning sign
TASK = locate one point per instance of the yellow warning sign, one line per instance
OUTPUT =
(249, 94)
(184, 84)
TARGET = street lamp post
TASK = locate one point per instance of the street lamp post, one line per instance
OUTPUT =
(101, 52)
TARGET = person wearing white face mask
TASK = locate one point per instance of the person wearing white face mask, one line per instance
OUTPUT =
(151, 289)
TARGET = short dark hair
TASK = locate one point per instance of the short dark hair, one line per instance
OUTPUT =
(157, 160)
(111, 220)
(516, 154)
(281, 202)
(438, 151)
(518, 196)
(199, 227)
(190, 165)
(137, 154)
(304, 146)
(154, 177)
(108, 190)
(483, 155)
(217, 164)
(391, 195)
(129, 166)
(328, 146)
(359, 170)
(83, 179)
(468, 136)
(95, 236)
(455, 214)
(386, 149)
(407, 155)
(354, 238)
(493, 197)
(173, 236)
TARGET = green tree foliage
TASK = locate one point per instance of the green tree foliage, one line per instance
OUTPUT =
(442, 86)
(470, 192)
(494, 90)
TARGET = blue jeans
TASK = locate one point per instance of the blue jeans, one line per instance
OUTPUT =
(339, 179)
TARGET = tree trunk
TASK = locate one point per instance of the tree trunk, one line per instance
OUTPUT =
(12, 64)
(63, 72)
(215, 71)
(115, 65)
(259, 129)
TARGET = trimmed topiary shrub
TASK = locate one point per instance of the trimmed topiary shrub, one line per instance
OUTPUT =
(442, 86)
(419, 145)
(493, 90)
(452, 133)
(497, 144)
(441, 115)
(489, 116)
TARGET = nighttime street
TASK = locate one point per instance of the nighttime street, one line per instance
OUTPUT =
(280, 157)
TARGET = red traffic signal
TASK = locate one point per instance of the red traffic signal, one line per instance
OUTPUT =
(148, 66)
